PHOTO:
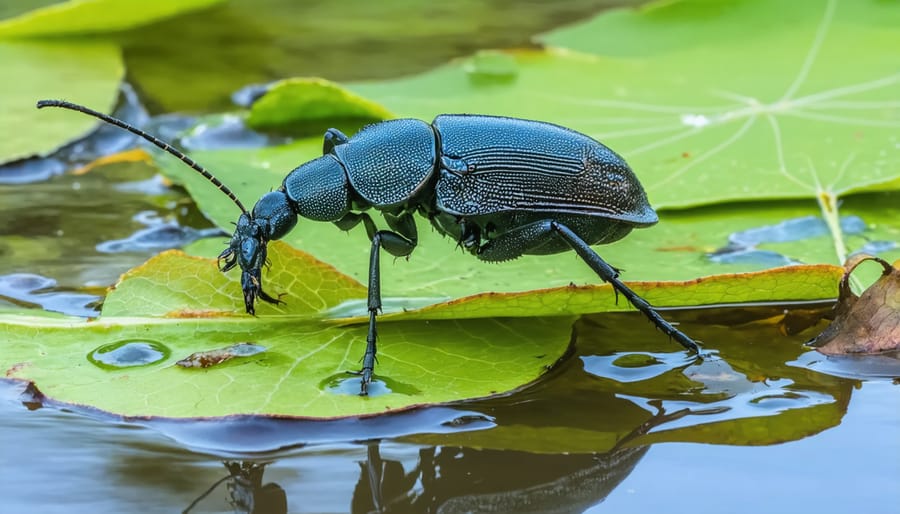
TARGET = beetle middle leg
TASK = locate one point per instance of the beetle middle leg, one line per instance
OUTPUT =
(519, 241)
(399, 244)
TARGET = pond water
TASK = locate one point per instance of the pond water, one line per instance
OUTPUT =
(627, 422)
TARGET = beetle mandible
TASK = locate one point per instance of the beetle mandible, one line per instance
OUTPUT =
(501, 187)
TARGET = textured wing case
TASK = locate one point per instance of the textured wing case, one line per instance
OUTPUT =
(494, 164)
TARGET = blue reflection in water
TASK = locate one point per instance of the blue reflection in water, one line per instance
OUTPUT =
(30, 288)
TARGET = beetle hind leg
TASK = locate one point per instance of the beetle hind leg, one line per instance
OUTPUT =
(611, 275)
(530, 238)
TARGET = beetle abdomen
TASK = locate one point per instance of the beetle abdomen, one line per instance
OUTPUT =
(388, 163)
(494, 164)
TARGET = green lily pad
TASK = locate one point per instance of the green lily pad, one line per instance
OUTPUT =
(301, 373)
(705, 106)
(784, 115)
(79, 17)
(310, 106)
(308, 287)
(129, 367)
(88, 73)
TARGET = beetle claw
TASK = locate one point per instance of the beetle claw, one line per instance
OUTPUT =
(229, 257)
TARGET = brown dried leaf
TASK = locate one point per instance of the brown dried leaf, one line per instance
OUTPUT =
(210, 358)
(865, 324)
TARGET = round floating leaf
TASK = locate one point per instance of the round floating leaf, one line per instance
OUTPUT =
(708, 101)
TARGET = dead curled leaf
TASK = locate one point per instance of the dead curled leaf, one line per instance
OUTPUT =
(864, 324)
(210, 358)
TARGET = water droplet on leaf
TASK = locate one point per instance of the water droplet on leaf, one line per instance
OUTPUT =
(128, 354)
(344, 383)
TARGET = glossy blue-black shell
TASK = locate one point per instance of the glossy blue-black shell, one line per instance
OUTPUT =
(494, 164)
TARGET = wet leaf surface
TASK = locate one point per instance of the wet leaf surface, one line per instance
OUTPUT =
(303, 373)
(869, 323)
(177, 306)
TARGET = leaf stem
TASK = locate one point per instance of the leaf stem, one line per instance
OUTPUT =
(828, 204)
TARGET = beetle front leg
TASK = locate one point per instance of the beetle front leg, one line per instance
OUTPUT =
(398, 246)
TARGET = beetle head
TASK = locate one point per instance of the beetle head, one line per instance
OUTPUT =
(247, 249)
(272, 217)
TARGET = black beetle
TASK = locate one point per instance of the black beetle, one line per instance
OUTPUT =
(501, 187)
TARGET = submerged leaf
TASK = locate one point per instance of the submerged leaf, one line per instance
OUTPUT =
(869, 323)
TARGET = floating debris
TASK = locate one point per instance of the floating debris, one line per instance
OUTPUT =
(211, 358)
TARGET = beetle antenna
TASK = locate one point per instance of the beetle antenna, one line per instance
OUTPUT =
(156, 141)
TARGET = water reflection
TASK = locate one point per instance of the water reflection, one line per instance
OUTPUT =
(457, 479)
(246, 491)
(447, 480)
(30, 290)
(160, 234)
